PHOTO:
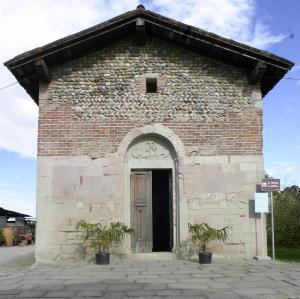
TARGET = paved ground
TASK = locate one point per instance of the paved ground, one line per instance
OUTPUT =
(8, 254)
(15, 259)
(156, 279)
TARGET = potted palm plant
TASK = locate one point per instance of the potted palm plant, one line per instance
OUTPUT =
(202, 234)
(102, 238)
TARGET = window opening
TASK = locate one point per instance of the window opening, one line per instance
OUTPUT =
(151, 85)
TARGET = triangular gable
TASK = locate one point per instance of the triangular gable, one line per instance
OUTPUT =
(30, 67)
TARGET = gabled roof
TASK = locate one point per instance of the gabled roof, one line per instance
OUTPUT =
(34, 65)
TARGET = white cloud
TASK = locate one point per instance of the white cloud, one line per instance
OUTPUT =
(262, 38)
(234, 19)
(32, 23)
(29, 24)
(24, 26)
(18, 125)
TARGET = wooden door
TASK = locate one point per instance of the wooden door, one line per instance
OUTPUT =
(141, 210)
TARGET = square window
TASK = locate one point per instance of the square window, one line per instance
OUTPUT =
(151, 85)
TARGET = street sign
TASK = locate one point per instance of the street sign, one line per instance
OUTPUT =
(269, 185)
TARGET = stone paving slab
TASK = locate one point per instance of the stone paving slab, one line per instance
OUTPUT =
(244, 279)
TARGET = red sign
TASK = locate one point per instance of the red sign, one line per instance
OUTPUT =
(270, 185)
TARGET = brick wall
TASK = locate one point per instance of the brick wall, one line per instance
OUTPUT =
(92, 102)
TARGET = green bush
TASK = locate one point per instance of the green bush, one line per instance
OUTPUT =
(286, 206)
(286, 254)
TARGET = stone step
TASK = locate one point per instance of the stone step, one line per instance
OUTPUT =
(152, 256)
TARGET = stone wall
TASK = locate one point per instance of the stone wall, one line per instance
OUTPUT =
(92, 102)
(70, 189)
(214, 189)
(220, 190)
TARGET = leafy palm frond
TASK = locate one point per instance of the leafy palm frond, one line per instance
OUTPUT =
(203, 233)
(103, 237)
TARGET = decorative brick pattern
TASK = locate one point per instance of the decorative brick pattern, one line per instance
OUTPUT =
(94, 101)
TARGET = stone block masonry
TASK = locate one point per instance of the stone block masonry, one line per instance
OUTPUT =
(94, 101)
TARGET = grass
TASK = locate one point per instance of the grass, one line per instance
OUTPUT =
(285, 254)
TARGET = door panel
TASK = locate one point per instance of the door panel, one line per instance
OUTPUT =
(141, 210)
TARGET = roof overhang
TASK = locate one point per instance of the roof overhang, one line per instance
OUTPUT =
(13, 214)
(35, 65)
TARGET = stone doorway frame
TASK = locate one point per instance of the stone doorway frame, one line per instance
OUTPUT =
(163, 133)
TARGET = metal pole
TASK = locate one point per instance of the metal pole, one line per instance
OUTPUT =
(262, 233)
(272, 221)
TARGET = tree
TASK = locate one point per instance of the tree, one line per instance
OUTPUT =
(295, 190)
(286, 217)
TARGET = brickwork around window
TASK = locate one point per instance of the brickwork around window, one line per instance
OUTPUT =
(94, 101)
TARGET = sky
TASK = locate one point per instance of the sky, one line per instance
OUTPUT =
(271, 25)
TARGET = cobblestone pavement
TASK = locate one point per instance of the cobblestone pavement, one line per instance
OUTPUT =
(156, 279)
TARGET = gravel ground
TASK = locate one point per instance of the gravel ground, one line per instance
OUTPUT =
(15, 259)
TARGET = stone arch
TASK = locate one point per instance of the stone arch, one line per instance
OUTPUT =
(156, 131)
(170, 152)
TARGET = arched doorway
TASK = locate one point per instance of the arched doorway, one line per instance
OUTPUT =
(152, 171)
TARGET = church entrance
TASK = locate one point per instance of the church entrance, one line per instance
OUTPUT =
(151, 210)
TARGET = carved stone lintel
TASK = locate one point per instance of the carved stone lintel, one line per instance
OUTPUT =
(148, 149)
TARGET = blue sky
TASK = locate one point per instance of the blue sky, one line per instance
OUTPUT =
(271, 25)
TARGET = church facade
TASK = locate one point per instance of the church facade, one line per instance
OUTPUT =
(153, 123)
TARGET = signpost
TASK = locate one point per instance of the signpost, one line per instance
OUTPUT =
(261, 206)
(269, 185)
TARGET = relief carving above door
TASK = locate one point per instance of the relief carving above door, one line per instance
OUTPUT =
(149, 148)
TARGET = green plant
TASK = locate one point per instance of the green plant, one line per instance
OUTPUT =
(286, 205)
(203, 233)
(286, 254)
(2, 238)
(103, 237)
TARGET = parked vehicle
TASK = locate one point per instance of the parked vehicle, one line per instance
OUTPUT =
(22, 236)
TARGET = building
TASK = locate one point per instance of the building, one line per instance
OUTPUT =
(151, 122)
(17, 228)
(6, 214)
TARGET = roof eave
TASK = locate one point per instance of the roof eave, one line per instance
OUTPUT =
(110, 31)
